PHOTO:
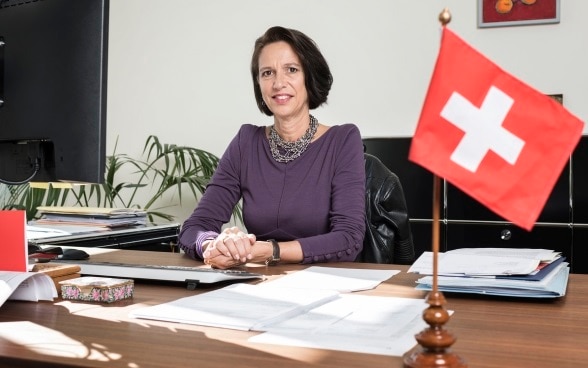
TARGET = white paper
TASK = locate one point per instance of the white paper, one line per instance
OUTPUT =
(356, 323)
(238, 306)
(39, 232)
(303, 311)
(29, 286)
(332, 278)
(474, 264)
(543, 255)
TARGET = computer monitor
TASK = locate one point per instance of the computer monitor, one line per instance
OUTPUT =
(53, 76)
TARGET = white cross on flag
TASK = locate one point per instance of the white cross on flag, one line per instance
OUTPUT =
(491, 135)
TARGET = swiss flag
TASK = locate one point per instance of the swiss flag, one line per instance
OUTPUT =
(491, 135)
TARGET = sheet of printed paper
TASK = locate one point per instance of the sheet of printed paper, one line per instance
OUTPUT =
(333, 278)
(356, 323)
(544, 255)
(473, 264)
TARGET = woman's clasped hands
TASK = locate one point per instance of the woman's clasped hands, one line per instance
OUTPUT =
(230, 248)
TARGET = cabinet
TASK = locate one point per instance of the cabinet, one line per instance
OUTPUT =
(580, 206)
(562, 225)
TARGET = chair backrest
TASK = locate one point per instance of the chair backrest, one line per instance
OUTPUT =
(388, 237)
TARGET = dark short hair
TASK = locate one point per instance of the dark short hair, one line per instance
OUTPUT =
(317, 75)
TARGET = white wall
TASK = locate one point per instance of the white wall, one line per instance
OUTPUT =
(179, 69)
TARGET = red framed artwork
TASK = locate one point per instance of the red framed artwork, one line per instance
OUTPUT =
(501, 13)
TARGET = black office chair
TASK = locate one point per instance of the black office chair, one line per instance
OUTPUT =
(388, 237)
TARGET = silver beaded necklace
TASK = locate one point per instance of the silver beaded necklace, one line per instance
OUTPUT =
(284, 151)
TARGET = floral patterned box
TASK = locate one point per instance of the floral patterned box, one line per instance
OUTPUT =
(97, 289)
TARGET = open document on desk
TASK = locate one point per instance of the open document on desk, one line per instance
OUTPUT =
(532, 273)
(250, 307)
(303, 314)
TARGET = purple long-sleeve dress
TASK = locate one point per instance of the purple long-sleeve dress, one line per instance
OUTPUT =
(317, 199)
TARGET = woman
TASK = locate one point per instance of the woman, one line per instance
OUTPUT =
(302, 183)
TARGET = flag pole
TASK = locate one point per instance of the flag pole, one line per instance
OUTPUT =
(435, 232)
(435, 341)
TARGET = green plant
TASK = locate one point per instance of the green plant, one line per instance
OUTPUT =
(165, 169)
(30, 196)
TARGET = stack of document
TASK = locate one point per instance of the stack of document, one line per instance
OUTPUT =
(91, 216)
(533, 273)
(307, 308)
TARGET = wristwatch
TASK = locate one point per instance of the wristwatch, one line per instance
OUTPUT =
(275, 258)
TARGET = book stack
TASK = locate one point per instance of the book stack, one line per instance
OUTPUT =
(91, 216)
(513, 272)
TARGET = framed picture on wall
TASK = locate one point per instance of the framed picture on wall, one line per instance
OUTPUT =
(502, 13)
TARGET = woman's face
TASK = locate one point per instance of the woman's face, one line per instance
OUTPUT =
(281, 80)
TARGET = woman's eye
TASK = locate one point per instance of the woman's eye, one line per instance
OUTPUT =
(292, 69)
(266, 73)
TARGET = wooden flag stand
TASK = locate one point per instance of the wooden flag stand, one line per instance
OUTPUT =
(434, 340)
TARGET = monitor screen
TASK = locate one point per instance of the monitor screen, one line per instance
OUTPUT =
(53, 74)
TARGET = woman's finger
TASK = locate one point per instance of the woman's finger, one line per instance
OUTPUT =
(222, 262)
(238, 246)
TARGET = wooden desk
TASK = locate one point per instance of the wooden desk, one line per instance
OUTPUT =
(491, 332)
